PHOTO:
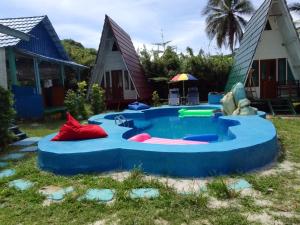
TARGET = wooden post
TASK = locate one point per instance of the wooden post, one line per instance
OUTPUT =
(62, 74)
(12, 67)
(3, 72)
(37, 76)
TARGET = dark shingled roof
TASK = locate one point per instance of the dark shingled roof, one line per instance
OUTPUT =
(131, 59)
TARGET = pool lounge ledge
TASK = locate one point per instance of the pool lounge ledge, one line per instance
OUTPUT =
(254, 146)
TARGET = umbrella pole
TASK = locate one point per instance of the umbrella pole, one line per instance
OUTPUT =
(183, 90)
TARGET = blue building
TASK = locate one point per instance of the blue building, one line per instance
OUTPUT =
(34, 65)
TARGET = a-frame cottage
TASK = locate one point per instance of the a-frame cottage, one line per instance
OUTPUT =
(269, 54)
(118, 69)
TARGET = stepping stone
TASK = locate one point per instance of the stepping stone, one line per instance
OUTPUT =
(144, 193)
(29, 149)
(3, 164)
(100, 195)
(56, 193)
(239, 185)
(21, 184)
(13, 156)
(7, 173)
(26, 141)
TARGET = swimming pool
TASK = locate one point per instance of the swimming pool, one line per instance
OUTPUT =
(245, 143)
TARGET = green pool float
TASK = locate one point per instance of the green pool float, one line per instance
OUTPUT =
(195, 112)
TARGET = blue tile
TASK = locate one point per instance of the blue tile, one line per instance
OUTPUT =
(101, 195)
(59, 195)
(29, 149)
(13, 156)
(27, 141)
(21, 184)
(7, 173)
(144, 193)
(239, 185)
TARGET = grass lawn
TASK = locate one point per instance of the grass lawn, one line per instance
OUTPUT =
(273, 199)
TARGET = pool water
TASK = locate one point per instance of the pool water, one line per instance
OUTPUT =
(176, 128)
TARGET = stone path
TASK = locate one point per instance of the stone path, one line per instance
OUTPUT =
(26, 142)
(57, 194)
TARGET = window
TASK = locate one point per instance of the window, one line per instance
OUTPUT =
(268, 26)
(115, 47)
(255, 73)
(282, 71)
(126, 80)
(290, 76)
(107, 79)
(131, 85)
(102, 82)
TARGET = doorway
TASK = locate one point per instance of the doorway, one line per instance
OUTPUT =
(117, 84)
(268, 87)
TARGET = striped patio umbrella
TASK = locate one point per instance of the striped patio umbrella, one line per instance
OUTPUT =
(183, 77)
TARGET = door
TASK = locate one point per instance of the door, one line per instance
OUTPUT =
(117, 84)
(268, 86)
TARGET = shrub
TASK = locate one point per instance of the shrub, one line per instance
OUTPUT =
(81, 98)
(97, 99)
(75, 101)
(155, 98)
(71, 103)
(7, 113)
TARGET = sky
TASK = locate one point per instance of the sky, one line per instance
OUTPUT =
(180, 21)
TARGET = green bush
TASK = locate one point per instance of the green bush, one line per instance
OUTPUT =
(97, 99)
(7, 113)
(155, 98)
(71, 103)
(81, 99)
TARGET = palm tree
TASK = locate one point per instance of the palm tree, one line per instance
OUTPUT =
(225, 20)
(295, 7)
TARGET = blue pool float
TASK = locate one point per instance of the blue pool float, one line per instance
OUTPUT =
(202, 137)
(138, 106)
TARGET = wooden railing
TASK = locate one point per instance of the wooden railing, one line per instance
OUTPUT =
(288, 89)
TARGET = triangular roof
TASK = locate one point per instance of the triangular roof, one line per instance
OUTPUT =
(244, 55)
(129, 56)
(26, 25)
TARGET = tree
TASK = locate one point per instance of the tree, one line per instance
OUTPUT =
(225, 20)
(295, 7)
(78, 53)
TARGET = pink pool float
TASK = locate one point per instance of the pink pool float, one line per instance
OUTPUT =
(146, 138)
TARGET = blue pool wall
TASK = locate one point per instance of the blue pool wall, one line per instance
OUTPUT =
(254, 146)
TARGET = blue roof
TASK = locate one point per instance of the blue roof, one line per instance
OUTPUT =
(27, 25)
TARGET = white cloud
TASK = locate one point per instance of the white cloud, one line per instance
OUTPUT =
(82, 20)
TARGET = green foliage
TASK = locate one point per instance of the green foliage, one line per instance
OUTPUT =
(80, 54)
(219, 189)
(75, 101)
(155, 98)
(71, 103)
(225, 20)
(212, 69)
(81, 96)
(97, 99)
(7, 113)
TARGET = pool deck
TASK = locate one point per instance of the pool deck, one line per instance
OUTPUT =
(255, 146)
